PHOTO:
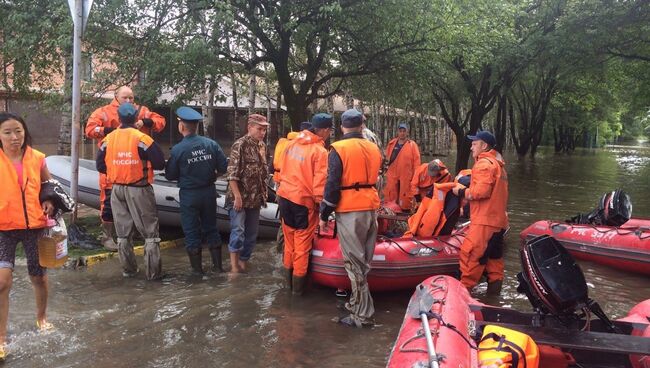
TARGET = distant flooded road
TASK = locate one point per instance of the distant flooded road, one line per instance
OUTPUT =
(103, 320)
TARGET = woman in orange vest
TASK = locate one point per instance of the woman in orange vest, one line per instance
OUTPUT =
(22, 215)
(403, 157)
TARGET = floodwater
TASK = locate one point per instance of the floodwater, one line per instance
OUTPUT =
(104, 320)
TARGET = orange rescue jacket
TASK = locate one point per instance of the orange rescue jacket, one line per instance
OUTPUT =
(430, 217)
(422, 182)
(361, 163)
(123, 163)
(304, 170)
(106, 116)
(20, 207)
(488, 191)
(406, 162)
(280, 147)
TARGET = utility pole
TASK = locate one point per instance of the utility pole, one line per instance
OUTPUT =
(80, 9)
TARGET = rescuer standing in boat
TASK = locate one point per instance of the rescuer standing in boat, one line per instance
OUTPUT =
(426, 175)
(302, 182)
(403, 157)
(100, 123)
(353, 165)
(194, 162)
(487, 194)
(128, 157)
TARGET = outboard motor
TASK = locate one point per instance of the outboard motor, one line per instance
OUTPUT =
(554, 283)
(614, 209)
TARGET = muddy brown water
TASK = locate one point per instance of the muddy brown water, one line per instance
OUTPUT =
(103, 320)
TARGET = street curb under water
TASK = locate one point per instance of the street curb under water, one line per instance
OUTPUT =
(138, 250)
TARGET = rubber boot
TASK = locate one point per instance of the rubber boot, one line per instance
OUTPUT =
(288, 277)
(108, 232)
(127, 257)
(152, 260)
(217, 261)
(494, 288)
(298, 284)
(195, 255)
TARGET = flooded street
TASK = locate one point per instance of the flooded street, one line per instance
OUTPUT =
(104, 320)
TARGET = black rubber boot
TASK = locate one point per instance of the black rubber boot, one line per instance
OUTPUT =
(298, 284)
(288, 278)
(195, 261)
(494, 288)
(217, 262)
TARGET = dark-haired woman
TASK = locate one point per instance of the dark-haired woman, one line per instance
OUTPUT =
(22, 215)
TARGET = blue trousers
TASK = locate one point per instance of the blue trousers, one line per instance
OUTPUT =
(199, 217)
(244, 225)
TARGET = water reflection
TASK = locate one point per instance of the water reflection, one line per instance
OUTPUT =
(105, 320)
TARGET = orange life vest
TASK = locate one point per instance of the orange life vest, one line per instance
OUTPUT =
(430, 217)
(361, 163)
(513, 348)
(123, 163)
(304, 170)
(20, 207)
(280, 147)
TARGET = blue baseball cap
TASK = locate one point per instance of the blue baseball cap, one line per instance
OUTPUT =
(188, 114)
(321, 121)
(127, 113)
(305, 125)
(351, 118)
(403, 126)
(484, 136)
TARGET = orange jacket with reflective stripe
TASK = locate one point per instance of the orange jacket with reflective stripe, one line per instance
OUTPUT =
(280, 147)
(106, 116)
(430, 217)
(123, 162)
(488, 191)
(20, 207)
(406, 162)
(422, 181)
(361, 163)
(304, 170)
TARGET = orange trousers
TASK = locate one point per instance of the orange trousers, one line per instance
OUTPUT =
(472, 249)
(105, 188)
(297, 245)
(398, 189)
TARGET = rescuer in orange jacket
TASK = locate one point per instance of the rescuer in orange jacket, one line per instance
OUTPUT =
(22, 215)
(128, 157)
(100, 123)
(302, 182)
(426, 175)
(487, 194)
(281, 146)
(352, 168)
(403, 157)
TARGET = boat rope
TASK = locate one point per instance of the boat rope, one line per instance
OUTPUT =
(638, 231)
(389, 240)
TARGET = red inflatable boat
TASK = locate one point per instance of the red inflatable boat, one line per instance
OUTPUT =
(626, 247)
(398, 263)
(455, 318)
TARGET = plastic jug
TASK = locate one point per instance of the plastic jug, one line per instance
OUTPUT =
(53, 246)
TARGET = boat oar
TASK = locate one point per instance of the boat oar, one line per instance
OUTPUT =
(419, 308)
